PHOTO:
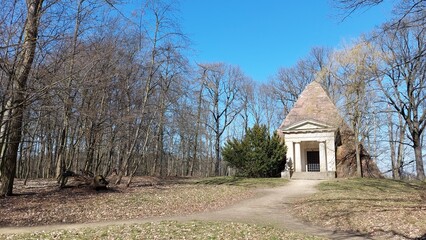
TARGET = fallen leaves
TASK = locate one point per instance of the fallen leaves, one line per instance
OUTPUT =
(49, 205)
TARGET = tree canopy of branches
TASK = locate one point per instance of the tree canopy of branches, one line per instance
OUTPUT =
(406, 12)
(85, 86)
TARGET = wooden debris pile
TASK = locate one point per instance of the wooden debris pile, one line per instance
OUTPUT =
(84, 178)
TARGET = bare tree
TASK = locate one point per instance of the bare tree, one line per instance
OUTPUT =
(222, 89)
(103, 87)
(268, 110)
(397, 132)
(248, 103)
(15, 106)
(353, 73)
(290, 82)
(67, 102)
(402, 79)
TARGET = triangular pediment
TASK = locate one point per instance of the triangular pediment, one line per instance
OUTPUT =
(308, 125)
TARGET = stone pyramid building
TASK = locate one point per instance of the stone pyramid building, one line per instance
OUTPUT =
(319, 142)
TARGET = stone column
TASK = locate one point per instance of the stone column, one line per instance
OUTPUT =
(297, 157)
(323, 157)
(331, 155)
(290, 151)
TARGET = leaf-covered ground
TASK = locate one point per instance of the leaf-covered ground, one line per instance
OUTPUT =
(378, 208)
(42, 203)
(169, 230)
(374, 208)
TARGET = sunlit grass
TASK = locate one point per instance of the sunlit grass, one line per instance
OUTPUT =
(243, 182)
(169, 230)
(381, 208)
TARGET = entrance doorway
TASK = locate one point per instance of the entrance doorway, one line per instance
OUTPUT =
(313, 161)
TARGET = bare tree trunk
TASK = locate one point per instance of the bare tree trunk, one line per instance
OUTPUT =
(217, 153)
(195, 157)
(61, 155)
(392, 146)
(160, 142)
(28, 162)
(125, 164)
(60, 162)
(357, 149)
(41, 158)
(217, 133)
(19, 81)
(418, 156)
(357, 127)
(4, 130)
(400, 153)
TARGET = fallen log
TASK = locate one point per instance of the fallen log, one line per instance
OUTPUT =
(97, 182)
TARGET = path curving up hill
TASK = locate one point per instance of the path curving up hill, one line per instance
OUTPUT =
(271, 207)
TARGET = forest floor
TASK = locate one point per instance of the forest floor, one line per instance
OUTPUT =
(182, 209)
(41, 202)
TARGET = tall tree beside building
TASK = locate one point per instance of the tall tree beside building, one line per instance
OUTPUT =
(353, 73)
(402, 79)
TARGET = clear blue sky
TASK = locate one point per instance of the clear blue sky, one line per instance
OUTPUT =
(262, 36)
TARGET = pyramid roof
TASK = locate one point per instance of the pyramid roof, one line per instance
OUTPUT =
(313, 104)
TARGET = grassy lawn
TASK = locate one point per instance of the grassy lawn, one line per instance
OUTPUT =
(169, 230)
(243, 182)
(379, 208)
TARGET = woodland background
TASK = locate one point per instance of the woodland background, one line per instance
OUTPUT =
(83, 86)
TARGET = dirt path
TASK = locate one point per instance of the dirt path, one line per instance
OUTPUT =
(270, 207)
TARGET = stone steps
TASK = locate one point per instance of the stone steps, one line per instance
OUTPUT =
(313, 175)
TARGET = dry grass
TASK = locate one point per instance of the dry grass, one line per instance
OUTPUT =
(378, 208)
(169, 230)
(243, 182)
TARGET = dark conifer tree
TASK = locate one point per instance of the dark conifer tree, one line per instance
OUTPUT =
(257, 154)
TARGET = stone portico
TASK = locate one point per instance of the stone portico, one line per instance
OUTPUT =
(311, 148)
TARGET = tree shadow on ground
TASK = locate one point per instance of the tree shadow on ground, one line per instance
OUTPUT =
(243, 181)
(220, 181)
(393, 233)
